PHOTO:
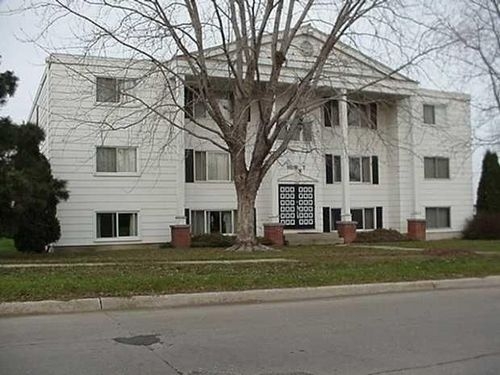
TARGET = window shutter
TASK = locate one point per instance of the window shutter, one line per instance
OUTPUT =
(337, 168)
(326, 220)
(380, 220)
(373, 115)
(186, 214)
(327, 115)
(329, 168)
(375, 170)
(188, 163)
(336, 216)
(334, 107)
(307, 131)
(188, 102)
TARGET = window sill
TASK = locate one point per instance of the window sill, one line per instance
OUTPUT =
(117, 174)
(436, 179)
(116, 104)
(118, 239)
(437, 230)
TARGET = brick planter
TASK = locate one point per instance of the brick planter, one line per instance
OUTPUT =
(181, 236)
(347, 230)
(273, 232)
(416, 229)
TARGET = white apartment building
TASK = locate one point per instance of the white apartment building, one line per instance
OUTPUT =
(403, 152)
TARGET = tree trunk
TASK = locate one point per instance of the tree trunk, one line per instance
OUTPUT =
(246, 217)
(245, 238)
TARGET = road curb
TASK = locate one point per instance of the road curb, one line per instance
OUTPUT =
(235, 297)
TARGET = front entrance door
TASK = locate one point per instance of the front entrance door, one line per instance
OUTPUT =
(296, 206)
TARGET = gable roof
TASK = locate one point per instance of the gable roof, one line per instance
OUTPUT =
(307, 30)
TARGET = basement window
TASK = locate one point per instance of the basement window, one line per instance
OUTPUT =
(116, 225)
(437, 217)
(213, 221)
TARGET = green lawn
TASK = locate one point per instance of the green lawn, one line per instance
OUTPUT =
(453, 244)
(140, 272)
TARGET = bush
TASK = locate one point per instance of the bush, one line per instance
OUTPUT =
(483, 226)
(380, 235)
(212, 240)
(36, 229)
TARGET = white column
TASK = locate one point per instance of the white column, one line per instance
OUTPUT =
(416, 209)
(346, 188)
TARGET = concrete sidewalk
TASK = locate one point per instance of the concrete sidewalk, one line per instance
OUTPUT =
(235, 297)
(175, 262)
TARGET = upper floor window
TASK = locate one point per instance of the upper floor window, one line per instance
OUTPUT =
(331, 113)
(194, 106)
(362, 115)
(301, 131)
(207, 166)
(333, 171)
(359, 169)
(116, 159)
(436, 167)
(429, 114)
(107, 90)
(358, 114)
(437, 217)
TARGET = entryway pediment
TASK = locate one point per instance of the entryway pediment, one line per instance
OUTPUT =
(297, 177)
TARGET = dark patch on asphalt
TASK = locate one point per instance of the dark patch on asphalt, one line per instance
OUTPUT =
(140, 340)
(267, 373)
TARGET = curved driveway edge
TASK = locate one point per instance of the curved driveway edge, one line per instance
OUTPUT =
(233, 297)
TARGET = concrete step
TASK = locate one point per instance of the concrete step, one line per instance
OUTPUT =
(313, 238)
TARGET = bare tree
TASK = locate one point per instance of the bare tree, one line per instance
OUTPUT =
(471, 33)
(180, 39)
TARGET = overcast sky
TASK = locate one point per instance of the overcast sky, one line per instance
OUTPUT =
(27, 61)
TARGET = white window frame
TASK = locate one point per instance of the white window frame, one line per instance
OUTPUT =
(363, 115)
(439, 228)
(206, 218)
(121, 85)
(117, 174)
(363, 210)
(433, 106)
(434, 160)
(118, 238)
(195, 103)
(207, 153)
(361, 168)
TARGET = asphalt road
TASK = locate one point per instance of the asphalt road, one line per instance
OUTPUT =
(441, 332)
